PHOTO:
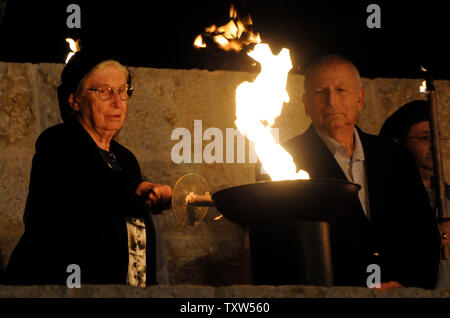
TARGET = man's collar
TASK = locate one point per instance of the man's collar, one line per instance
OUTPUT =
(335, 147)
(358, 152)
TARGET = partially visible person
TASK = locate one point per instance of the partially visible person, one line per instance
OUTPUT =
(390, 223)
(88, 203)
(410, 127)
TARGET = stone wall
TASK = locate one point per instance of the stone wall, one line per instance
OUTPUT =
(198, 291)
(215, 252)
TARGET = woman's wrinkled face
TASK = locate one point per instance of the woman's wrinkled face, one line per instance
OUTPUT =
(103, 116)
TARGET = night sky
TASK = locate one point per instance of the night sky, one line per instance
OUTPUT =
(160, 34)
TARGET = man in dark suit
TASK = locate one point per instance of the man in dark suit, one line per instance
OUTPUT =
(391, 223)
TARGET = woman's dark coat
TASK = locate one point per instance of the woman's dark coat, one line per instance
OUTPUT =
(75, 212)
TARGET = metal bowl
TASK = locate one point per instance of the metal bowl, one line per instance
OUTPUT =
(269, 201)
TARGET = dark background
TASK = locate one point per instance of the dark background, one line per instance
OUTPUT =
(160, 34)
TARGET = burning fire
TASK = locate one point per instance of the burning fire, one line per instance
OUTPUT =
(74, 47)
(232, 36)
(260, 102)
(423, 87)
(198, 42)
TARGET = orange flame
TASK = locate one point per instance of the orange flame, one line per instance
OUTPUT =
(198, 42)
(232, 36)
(423, 87)
(74, 47)
(260, 102)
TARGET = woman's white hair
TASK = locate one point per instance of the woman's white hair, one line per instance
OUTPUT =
(100, 66)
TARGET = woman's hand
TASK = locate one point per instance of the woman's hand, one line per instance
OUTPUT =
(157, 196)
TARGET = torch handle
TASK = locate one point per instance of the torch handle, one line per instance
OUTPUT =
(204, 200)
(437, 158)
(202, 203)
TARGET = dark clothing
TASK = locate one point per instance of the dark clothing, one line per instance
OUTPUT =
(402, 236)
(75, 212)
(399, 123)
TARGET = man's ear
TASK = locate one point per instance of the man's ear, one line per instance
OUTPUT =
(362, 96)
(305, 103)
(73, 102)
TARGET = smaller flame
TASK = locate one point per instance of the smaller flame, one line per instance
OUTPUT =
(211, 29)
(423, 87)
(198, 42)
(221, 40)
(233, 12)
(74, 47)
(232, 36)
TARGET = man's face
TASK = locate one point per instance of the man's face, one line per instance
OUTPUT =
(419, 143)
(102, 115)
(333, 98)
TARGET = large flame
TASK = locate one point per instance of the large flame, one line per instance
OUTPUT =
(259, 103)
(232, 36)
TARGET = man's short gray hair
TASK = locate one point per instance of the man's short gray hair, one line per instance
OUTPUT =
(327, 60)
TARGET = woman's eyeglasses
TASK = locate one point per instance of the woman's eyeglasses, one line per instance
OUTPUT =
(425, 138)
(106, 92)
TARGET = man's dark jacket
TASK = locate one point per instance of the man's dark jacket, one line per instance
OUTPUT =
(401, 237)
(75, 212)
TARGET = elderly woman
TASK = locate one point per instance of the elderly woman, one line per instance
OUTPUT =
(88, 203)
